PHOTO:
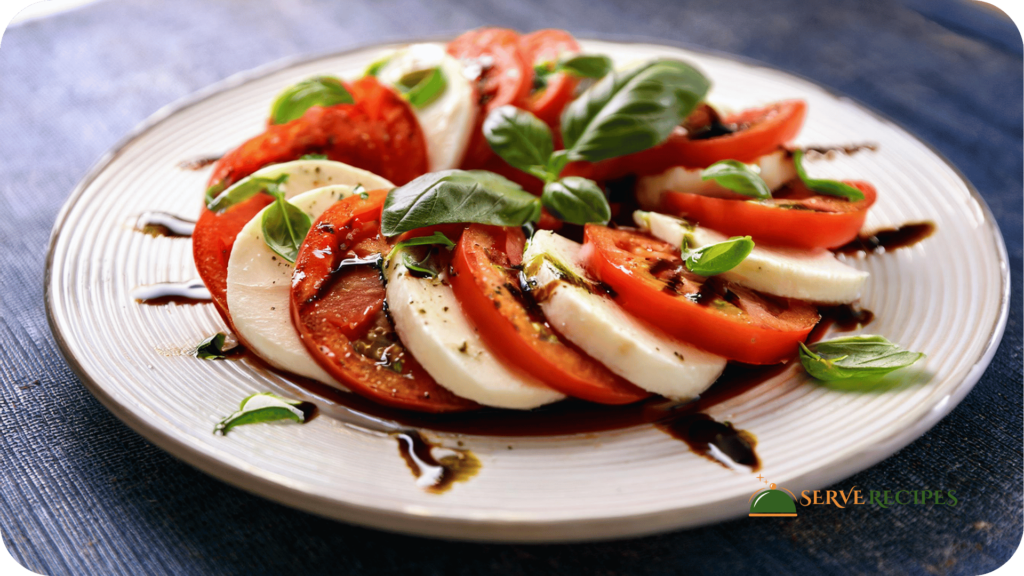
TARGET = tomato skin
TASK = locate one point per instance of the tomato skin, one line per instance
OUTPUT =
(334, 311)
(506, 81)
(765, 130)
(212, 240)
(750, 331)
(481, 280)
(378, 133)
(818, 222)
(548, 46)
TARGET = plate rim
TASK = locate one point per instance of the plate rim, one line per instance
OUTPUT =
(490, 529)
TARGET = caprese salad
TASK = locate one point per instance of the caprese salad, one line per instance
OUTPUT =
(436, 235)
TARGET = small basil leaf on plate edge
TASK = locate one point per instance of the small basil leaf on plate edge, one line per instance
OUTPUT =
(863, 356)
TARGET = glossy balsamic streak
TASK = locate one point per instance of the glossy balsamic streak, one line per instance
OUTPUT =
(717, 441)
(831, 151)
(888, 240)
(188, 292)
(842, 318)
(164, 224)
(436, 468)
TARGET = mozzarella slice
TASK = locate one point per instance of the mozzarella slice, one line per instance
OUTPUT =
(259, 292)
(305, 175)
(448, 121)
(813, 275)
(259, 281)
(578, 310)
(776, 169)
(434, 329)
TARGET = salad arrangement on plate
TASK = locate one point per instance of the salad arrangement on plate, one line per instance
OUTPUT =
(506, 222)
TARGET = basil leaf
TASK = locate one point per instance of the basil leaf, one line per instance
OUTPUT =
(313, 157)
(455, 196)
(630, 111)
(576, 200)
(719, 257)
(213, 191)
(261, 407)
(422, 87)
(213, 348)
(244, 190)
(586, 65)
(738, 177)
(293, 102)
(285, 226)
(854, 357)
(421, 269)
(520, 138)
(557, 162)
(435, 239)
(374, 68)
(827, 187)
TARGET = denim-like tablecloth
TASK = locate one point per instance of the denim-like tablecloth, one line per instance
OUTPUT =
(81, 493)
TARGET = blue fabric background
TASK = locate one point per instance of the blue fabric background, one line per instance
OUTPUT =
(80, 493)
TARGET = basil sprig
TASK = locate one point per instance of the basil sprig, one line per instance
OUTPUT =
(738, 177)
(821, 186)
(457, 196)
(435, 239)
(285, 226)
(261, 407)
(576, 200)
(525, 142)
(579, 65)
(213, 348)
(631, 110)
(242, 191)
(422, 87)
(293, 102)
(521, 139)
(375, 67)
(717, 258)
(854, 357)
(585, 65)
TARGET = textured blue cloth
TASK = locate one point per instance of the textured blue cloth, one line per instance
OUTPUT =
(81, 493)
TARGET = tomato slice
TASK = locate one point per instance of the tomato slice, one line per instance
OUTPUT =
(505, 78)
(543, 46)
(378, 133)
(758, 131)
(212, 239)
(652, 283)
(339, 313)
(486, 284)
(794, 217)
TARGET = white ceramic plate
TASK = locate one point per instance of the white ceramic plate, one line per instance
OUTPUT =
(946, 296)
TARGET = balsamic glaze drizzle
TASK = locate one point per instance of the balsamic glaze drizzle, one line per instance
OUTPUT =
(188, 292)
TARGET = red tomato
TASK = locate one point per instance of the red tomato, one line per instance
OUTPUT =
(545, 46)
(759, 131)
(378, 133)
(339, 313)
(505, 78)
(487, 286)
(652, 283)
(212, 239)
(795, 216)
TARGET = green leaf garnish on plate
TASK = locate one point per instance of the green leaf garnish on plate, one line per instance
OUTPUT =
(262, 407)
(864, 356)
